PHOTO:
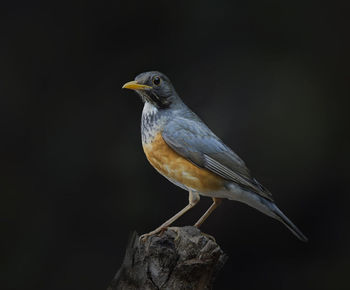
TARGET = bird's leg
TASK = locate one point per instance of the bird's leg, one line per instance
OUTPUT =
(215, 204)
(193, 199)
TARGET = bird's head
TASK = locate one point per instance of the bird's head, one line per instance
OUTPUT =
(155, 88)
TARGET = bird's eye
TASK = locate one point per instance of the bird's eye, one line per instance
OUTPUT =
(156, 81)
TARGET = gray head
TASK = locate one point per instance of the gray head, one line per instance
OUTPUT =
(155, 88)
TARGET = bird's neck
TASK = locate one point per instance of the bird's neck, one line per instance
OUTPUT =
(154, 119)
(149, 109)
(152, 122)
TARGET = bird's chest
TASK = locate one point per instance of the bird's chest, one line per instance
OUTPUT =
(171, 164)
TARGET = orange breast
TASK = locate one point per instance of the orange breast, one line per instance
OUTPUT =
(176, 167)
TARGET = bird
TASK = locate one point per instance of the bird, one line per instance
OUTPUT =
(182, 148)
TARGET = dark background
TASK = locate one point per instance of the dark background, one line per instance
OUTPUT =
(269, 77)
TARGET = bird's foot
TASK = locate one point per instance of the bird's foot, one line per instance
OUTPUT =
(207, 235)
(158, 231)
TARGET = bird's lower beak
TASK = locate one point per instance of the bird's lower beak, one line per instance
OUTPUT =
(133, 85)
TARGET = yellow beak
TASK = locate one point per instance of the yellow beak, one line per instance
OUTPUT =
(133, 85)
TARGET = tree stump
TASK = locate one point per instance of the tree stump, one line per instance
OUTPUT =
(179, 258)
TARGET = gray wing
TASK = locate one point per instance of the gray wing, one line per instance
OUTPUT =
(193, 140)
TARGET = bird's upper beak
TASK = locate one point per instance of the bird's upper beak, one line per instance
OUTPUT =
(134, 85)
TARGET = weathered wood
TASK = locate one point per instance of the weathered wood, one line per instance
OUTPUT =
(179, 258)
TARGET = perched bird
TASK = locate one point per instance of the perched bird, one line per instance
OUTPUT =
(185, 151)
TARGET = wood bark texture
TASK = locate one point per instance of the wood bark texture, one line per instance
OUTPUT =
(179, 258)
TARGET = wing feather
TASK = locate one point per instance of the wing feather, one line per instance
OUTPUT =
(193, 140)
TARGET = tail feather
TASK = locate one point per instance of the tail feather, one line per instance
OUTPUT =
(287, 222)
(264, 205)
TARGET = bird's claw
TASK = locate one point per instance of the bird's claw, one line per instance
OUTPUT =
(158, 231)
(143, 237)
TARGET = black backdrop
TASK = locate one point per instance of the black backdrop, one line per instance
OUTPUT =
(269, 77)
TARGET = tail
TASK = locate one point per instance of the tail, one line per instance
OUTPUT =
(265, 206)
(287, 222)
